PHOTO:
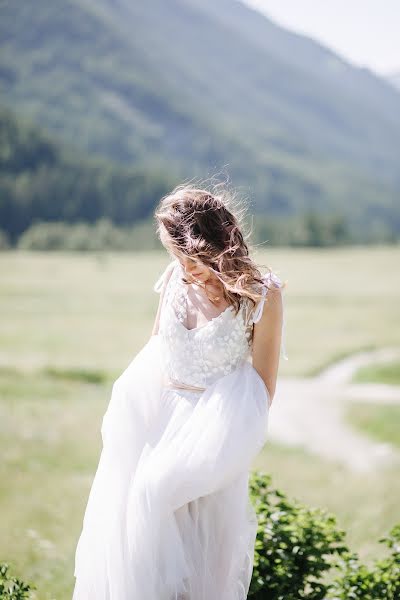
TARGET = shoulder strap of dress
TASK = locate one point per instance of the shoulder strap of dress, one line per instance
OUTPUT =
(159, 284)
(165, 286)
(267, 278)
(259, 308)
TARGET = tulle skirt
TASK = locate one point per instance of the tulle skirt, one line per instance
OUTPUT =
(169, 515)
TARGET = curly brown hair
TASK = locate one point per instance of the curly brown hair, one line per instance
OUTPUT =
(206, 225)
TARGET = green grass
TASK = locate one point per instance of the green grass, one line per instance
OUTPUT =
(379, 421)
(50, 446)
(94, 312)
(70, 323)
(50, 442)
(88, 375)
(382, 373)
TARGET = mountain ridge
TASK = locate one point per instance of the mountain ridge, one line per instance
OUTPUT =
(394, 79)
(176, 83)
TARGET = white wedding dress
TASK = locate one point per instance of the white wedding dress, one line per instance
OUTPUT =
(169, 515)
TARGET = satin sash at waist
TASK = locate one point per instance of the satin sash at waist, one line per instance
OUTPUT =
(174, 383)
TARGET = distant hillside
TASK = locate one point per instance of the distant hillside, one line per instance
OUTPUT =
(395, 79)
(196, 85)
(42, 180)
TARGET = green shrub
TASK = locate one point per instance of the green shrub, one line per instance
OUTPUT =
(300, 554)
(99, 236)
(12, 588)
(381, 581)
(295, 546)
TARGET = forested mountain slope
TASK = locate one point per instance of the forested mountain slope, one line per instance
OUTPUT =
(199, 85)
(44, 180)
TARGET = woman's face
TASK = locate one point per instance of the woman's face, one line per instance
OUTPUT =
(194, 268)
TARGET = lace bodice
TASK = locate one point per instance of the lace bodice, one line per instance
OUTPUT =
(201, 355)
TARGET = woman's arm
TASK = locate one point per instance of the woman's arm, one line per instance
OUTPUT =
(166, 277)
(267, 338)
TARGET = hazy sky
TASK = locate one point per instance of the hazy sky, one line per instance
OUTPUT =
(365, 32)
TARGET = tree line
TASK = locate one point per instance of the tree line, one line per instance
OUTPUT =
(52, 197)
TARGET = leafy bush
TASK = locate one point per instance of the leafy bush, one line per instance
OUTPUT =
(300, 554)
(12, 588)
(381, 581)
(87, 237)
(295, 546)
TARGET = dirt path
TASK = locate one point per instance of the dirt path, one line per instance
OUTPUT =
(310, 413)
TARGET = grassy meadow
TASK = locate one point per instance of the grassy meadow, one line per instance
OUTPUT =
(70, 323)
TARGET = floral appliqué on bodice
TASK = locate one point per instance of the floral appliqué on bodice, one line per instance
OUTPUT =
(201, 355)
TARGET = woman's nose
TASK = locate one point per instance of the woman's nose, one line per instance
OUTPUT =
(189, 266)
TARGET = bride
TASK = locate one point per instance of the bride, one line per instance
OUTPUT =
(169, 515)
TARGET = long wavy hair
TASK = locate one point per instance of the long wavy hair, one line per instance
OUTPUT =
(208, 226)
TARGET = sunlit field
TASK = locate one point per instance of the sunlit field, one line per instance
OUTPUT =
(71, 323)
(95, 311)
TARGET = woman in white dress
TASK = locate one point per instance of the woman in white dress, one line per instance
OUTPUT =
(169, 515)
